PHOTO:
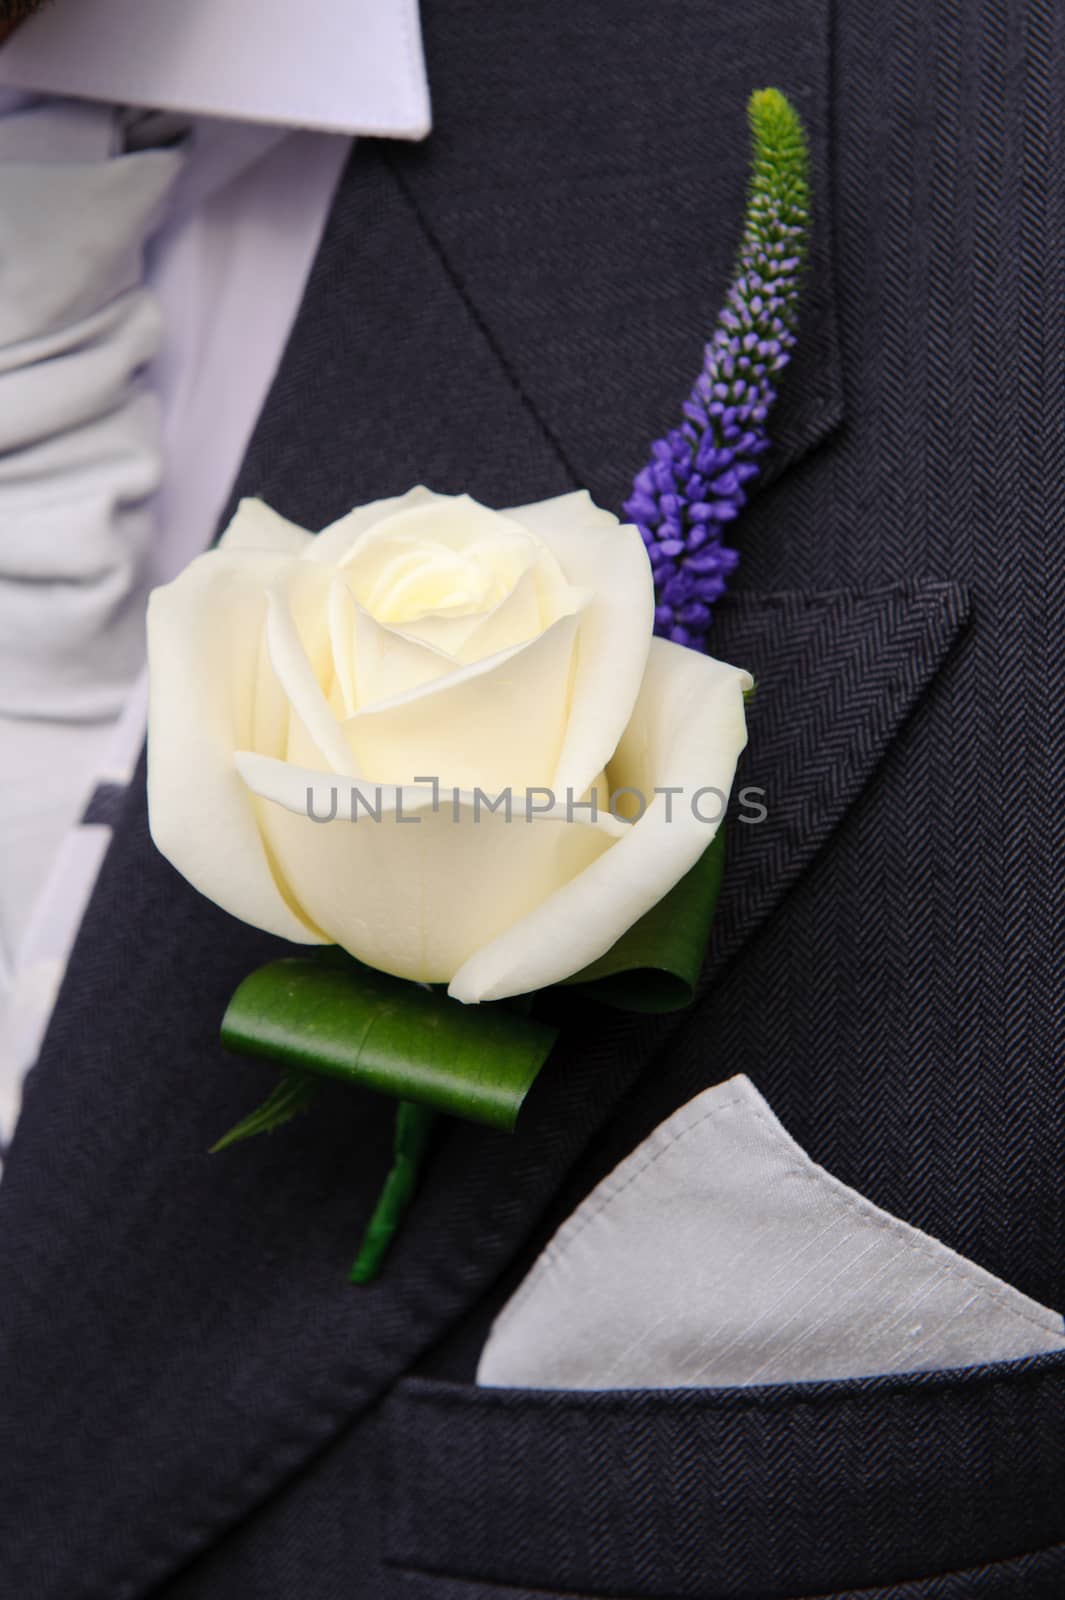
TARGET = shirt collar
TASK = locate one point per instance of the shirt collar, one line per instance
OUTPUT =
(346, 66)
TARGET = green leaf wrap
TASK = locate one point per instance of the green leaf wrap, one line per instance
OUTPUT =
(339, 1018)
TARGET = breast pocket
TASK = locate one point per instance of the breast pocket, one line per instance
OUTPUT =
(796, 1490)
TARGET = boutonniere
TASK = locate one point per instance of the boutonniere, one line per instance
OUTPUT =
(471, 754)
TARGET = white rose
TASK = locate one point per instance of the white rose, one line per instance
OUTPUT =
(428, 637)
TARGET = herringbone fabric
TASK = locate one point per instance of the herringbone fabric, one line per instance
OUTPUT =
(670, 1506)
(1028, 1578)
(813, 745)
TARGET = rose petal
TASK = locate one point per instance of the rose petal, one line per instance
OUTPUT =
(334, 544)
(437, 569)
(370, 662)
(297, 641)
(495, 723)
(606, 557)
(688, 730)
(204, 633)
(255, 526)
(388, 664)
(272, 718)
(540, 596)
(342, 619)
(415, 897)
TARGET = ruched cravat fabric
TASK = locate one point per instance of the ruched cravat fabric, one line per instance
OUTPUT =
(80, 459)
(79, 429)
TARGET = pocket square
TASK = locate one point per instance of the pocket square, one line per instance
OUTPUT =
(719, 1254)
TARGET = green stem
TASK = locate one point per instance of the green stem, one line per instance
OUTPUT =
(413, 1126)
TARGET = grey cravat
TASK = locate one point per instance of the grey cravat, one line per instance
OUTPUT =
(80, 458)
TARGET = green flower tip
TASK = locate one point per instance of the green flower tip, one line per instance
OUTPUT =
(772, 115)
(780, 167)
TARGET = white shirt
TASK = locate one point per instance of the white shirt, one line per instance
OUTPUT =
(196, 330)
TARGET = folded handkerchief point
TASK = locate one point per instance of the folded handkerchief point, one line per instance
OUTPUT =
(719, 1254)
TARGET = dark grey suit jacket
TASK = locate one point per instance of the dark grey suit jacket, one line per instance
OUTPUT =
(196, 1405)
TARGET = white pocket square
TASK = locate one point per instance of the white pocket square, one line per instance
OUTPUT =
(718, 1253)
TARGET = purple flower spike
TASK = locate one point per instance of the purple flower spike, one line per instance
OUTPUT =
(699, 475)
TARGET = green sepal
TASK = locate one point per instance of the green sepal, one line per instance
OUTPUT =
(341, 1019)
(292, 1096)
(655, 965)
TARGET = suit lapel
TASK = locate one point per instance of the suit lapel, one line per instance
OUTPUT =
(836, 674)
